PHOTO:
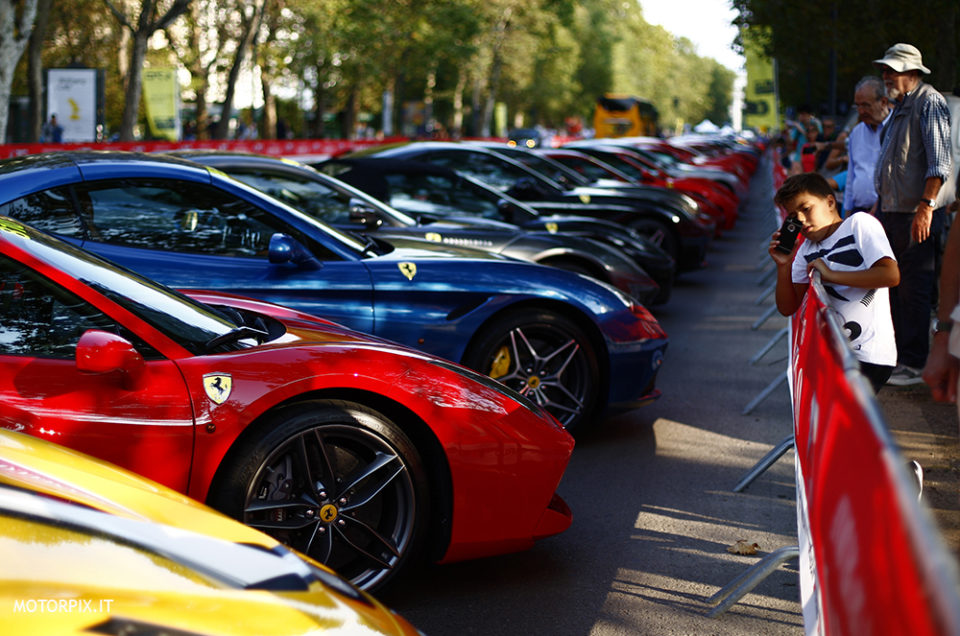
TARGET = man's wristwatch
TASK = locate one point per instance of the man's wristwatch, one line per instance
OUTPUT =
(931, 202)
(942, 326)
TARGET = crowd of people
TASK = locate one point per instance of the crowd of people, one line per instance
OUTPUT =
(874, 212)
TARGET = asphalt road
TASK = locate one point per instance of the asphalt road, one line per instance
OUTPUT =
(651, 490)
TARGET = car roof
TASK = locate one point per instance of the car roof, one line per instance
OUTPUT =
(23, 175)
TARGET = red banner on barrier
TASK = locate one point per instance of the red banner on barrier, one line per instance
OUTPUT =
(277, 147)
(877, 564)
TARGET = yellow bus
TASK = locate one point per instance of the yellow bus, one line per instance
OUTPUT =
(624, 116)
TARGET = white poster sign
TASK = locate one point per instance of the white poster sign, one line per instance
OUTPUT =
(72, 97)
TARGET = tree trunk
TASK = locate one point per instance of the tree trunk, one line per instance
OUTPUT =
(476, 115)
(35, 69)
(461, 86)
(251, 26)
(131, 102)
(491, 95)
(268, 124)
(146, 27)
(349, 119)
(14, 35)
(431, 83)
(319, 106)
(496, 65)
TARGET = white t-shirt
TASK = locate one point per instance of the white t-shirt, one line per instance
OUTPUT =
(856, 245)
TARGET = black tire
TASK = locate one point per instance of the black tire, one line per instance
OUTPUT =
(660, 234)
(545, 357)
(336, 481)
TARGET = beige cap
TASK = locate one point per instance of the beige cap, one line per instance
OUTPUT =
(903, 57)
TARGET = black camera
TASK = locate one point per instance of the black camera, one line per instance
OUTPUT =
(788, 234)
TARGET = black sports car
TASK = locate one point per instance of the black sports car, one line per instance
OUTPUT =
(671, 219)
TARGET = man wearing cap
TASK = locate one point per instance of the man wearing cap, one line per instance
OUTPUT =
(913, 164)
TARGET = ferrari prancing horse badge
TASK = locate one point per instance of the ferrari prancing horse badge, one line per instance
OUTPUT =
(218, 386)
(408, 269)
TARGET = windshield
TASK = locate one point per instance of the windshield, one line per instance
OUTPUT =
(622, 164)
(343, 238)
(319, 200)
(660, 157)
(190, 323)
(549, 167)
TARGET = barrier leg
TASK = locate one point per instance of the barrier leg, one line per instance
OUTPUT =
(767, 273)
(766, 293)
(777, 337)
(772, 309)
(763, 394)
(766, 462)
(745, 582)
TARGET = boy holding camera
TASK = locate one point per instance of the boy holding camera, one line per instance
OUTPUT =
(856, 266)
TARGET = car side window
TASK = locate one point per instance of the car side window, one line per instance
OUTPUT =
(175, 216)
(482, 167)
(316, 199)
(51, 211)
(39, 318)
(436, 194)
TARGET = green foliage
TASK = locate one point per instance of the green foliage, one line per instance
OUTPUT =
(817, 40)
(547, 60)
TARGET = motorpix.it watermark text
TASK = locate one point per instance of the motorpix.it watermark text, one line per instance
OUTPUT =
(61, 605)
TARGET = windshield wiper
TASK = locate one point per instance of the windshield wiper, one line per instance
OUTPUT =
(238, 333)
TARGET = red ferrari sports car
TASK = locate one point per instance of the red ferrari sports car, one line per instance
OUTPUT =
(359, 452)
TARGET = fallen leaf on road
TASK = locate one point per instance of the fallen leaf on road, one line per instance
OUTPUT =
(742, 547)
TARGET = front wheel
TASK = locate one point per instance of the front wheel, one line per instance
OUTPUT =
(336, 481)
(545, 357)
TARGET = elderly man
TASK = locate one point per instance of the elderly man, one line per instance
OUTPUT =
(863, 145)
(913, 164)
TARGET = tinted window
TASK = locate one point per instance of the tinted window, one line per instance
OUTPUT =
(41, 319)
(51, 211)
(436, 194)
(485, 168)
(308, 196)
(175, 216)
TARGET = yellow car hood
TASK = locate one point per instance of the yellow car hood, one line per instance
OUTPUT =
(88, 546)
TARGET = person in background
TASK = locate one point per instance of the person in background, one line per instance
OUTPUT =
(813, 133)
(913, 164)
(52, 131)
(863, 144)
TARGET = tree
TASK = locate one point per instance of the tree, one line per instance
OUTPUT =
(16, 23)
(823, 48)
(198, 44)
(150, 20)
(251, 14)
(35, 68)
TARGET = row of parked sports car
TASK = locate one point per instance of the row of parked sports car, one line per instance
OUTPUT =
(375, 361)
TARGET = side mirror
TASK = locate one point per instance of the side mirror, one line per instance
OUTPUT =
(103, 352)
(363, 214)
(285, 249)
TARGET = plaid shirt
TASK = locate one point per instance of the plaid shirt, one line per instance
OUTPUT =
(935, 124)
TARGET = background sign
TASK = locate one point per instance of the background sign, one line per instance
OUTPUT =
(161, 94)
(72, 97)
